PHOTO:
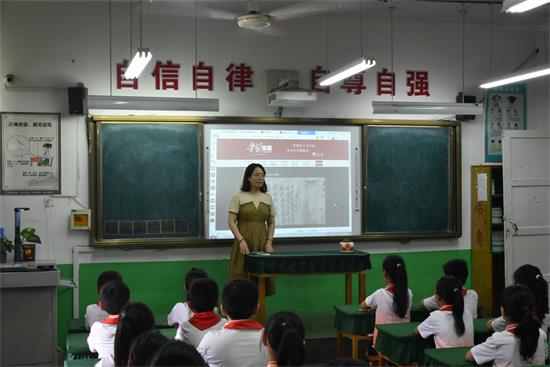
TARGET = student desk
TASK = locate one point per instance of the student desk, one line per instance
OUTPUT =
(447, 357)
(397, 343)
(77, 346)
(262, 266)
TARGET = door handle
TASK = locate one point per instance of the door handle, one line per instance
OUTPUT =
(514, 226)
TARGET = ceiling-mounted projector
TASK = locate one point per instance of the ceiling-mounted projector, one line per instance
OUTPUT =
(254, 21)
(291, 98)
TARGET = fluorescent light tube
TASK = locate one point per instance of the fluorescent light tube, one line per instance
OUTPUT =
(138, 63)
(518, 76)
(346, 71)
(426, 108)
(152, 103)
(520, 6)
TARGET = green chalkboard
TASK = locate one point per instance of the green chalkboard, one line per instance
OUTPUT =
(410, 178)
(150, 180)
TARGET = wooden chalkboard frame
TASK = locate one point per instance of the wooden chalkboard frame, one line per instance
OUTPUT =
(95, 183)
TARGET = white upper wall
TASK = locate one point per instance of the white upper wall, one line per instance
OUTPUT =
(57, 44)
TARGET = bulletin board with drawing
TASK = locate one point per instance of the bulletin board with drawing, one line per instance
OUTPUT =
(30, 155)
(505, 109)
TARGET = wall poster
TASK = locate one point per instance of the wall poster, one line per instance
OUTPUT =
(505, 109)
(31, 160)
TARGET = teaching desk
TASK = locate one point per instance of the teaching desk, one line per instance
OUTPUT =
(263, 265)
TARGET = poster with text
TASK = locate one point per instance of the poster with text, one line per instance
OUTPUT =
(31, 160)
(505, 109)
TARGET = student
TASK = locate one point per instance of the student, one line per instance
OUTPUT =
(531, 277)
(522, 342)
(347, 362)
(393, 303)
(203, 298)
(144, 347)
(457, 268)
(452, 325)
(114, 295)
(239, 342)
(181, 310)
(284, 339)
(94, 312)
(177, 353)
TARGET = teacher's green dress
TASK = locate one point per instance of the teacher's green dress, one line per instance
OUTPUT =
(252, 211)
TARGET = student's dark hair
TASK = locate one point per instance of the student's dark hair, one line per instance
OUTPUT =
(248, 173)
(450, 290)
(135, 319)
(203, 294)
(518, 303)
(107, 276)
(47, 145)
(347, 362)
(240, 298)
(531, 277)
(177, 353)
(394, 266)
(114, 295)
(144, 346)
(457, 268)
(285, 333)
(193, 275)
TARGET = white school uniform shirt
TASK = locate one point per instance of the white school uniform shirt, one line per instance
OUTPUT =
(191, 335)
(107, 361)
(470, 302)
(234, 348)
(102, 336)
(382, 300)
(441, 325)
(94, 313)
(180, 312)
(503, 349)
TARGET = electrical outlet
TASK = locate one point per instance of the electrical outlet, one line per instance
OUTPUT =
(48, 203)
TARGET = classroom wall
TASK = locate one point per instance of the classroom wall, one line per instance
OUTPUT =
(52, 45)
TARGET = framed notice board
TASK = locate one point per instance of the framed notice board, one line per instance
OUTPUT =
(148, 181)
(412, 180)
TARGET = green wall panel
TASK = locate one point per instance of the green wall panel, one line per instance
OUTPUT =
(160, 284)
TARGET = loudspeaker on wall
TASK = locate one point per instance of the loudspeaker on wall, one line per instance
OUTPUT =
(78, 100)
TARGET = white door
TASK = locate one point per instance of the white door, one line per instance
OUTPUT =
(526, 171)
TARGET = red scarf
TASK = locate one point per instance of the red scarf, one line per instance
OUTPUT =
(512, 328)
(243, 325)
(204, 320)
(464, 291)
(446, 308)
(390, 288)
(111, 320)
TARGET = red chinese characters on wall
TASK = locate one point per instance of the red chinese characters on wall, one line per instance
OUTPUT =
(385, 81)
(166, 75)
(239, 77)
(120, 81)
(316, 74)
(417, 83)
(203, 76)
(355, 84)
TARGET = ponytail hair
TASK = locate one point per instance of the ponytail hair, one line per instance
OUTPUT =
(285, 333)
(450, 290)
(518, 303)
(394, 266)
(531, 277)
(135, 319)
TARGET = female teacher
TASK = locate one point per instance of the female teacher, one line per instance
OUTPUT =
(252, 221)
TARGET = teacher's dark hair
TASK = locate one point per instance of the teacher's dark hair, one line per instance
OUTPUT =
(248, 173)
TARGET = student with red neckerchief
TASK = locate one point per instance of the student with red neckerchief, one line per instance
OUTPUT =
(239, 342)
(392, 303)
(181, 311)
(93, 311)
(522, 342)
(203, 298)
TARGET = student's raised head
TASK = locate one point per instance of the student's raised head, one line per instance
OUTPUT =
(285, 335)
(347, 362)
(135, 318)
(448, 291)
(193, 275)
(144, 346)
(457, 268)
(396, 273)
(203, 294)
(518, 303)
(114, 295)
(531, 277)
(107, 276)
(240, 299)
(249, 174)
(177, 353)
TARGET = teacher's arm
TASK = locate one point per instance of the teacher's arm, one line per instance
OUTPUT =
(270, 233)
(232, 223)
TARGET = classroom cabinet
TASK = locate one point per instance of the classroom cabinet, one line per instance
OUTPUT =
(487, 236)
